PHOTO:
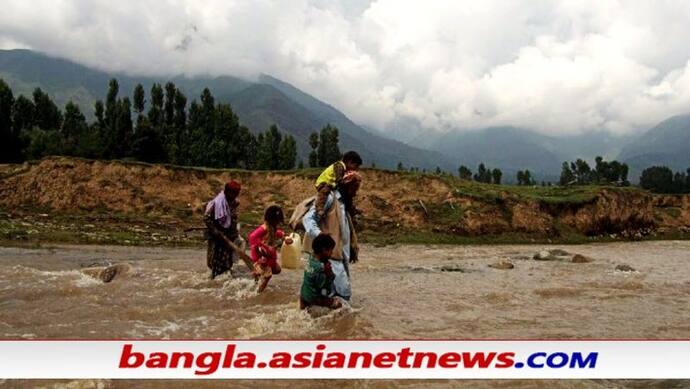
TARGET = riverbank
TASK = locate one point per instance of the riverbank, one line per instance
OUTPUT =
(69, 200)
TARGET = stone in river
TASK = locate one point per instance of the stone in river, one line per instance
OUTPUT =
(502, 265)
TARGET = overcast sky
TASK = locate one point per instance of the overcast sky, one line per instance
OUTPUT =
(560, 67)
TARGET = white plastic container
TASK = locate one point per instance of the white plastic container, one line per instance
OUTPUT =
(290, 253)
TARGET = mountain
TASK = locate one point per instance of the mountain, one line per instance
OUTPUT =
(508, 148)
(511, 149)
(668, 143)
(258, 104)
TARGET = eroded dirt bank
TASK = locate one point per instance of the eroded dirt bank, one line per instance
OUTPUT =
(97, 193)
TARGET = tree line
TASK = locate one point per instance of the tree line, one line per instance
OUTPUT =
(661, 179)
(580, 173)
(573, 173)
(160, 128)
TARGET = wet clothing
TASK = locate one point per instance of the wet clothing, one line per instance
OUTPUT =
(218, 254)
(321, 301)
(327, 182)
(317, 283)
(338, 225)
(263, 250)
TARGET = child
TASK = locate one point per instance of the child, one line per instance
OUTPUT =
(331, 177)
(263, 242)
(318, 276)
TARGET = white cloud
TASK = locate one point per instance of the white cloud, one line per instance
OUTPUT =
(560, 67)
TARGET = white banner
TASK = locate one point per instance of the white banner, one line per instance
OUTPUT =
(269, 359)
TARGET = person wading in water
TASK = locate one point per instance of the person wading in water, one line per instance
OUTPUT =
(336, 222)
(221, 220)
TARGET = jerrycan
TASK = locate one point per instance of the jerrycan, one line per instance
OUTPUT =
(290, 253)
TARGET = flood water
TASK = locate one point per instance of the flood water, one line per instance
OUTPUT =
(398, 292)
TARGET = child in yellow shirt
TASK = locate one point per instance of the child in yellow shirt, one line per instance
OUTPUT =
(332, 176)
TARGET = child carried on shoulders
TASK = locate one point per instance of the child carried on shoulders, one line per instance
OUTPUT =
(331, 177)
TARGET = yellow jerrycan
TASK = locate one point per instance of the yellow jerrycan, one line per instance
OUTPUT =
(290, 253)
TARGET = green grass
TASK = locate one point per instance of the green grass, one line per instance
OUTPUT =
(497, 194)
(429, 237)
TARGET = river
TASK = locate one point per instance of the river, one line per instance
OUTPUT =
(398, 292)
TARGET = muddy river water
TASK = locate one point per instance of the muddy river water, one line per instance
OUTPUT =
(398, 292)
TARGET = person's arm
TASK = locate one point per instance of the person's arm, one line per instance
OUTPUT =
(311, 220)
(280, 234)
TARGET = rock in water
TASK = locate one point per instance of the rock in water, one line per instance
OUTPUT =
(625, 267)
(452, 268)
(502, 265)
(108, 273)
(579, 258)
(96, 263)
(559, 252)
(552, 255)
(544, 256)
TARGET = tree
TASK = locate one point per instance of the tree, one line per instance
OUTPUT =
(582, 171)
(223, 150)
(9, 135)
(73, 128)
(438, 170)
(155, 113)
(528, 178)
(47, 116)
(40, 143)
(300, 164)
(124, 128)
(624, 174)
(678, 182)
(169, 105)
(111, 106)
(139, 99)
(201, 129)
(328, 150)
(657, 179)
(268, 149)
(525, 178)
(567, 176)
(180, 115)
(483, 174)
(464, 173)
(314, 144)
(99, 112)
(400, 166)
(147, 145)
(247, 148)
(496, 175)
(22, 114)
(287, 153)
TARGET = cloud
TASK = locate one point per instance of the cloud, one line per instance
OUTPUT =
(560, 67)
